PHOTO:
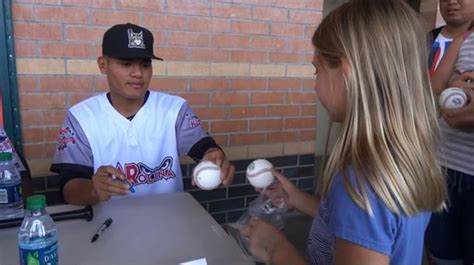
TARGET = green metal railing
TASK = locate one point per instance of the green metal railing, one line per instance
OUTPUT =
(8, 81)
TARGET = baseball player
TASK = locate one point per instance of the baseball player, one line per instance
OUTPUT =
(128, 141)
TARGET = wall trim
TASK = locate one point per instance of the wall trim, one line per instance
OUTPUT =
(8, 81)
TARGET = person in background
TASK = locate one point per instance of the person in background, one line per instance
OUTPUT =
(128, 141)
(383, 179)
(458, 15)
(450, 234)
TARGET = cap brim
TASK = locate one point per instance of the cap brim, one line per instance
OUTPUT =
(133, 57)
(157, 58)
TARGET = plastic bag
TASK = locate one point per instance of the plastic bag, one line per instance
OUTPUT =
(269, 207)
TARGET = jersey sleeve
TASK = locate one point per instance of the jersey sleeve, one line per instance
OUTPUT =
(350, 222)
(189, 130)
(73, 149)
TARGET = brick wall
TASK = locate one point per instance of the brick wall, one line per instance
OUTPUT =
(244, 66)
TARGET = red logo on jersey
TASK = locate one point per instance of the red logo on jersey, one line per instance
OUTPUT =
(194, 120)
(66, 136)
(139, 173)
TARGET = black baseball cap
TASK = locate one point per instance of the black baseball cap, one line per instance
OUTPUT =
(128, 41)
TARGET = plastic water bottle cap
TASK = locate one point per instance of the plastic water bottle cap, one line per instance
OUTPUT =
(7, 156)
(36, 202)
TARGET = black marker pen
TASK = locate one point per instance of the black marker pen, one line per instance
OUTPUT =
(104, 226)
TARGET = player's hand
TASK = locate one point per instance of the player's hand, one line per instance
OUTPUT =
(106, 186)
(218, 157)
(263, 239)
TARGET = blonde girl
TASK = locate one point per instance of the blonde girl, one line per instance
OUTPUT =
(382, 180)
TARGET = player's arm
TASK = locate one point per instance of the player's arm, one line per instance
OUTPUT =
(440, 78)
(101, 187)
(194, 141)
(73, 162)
(79, 191)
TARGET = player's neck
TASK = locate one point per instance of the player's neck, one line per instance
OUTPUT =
(126, 107)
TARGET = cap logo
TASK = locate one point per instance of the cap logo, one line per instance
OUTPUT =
(135, 40)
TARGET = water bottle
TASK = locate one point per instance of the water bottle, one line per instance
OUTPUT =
(37, 237)
(11, 201)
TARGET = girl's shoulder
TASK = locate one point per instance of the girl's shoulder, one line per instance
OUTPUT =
(339, 191)
(340, 196)
(379, 230)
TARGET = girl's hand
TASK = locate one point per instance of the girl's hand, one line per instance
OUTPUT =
(294, 198)
(292, 193)
(264, 239)
(284, 189)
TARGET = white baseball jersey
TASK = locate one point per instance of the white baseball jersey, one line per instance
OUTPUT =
(146, 148)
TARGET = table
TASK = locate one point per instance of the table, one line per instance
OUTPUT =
(164, 229)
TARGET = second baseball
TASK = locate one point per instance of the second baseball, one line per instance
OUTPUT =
(259, 173)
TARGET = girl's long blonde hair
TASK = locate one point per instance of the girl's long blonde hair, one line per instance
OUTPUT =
(390, 132)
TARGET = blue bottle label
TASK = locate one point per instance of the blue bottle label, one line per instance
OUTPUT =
(10, 194)
(42, 256)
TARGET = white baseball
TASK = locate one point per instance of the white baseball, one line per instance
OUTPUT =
(452, 98)
(259, 173)
(207, 175)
